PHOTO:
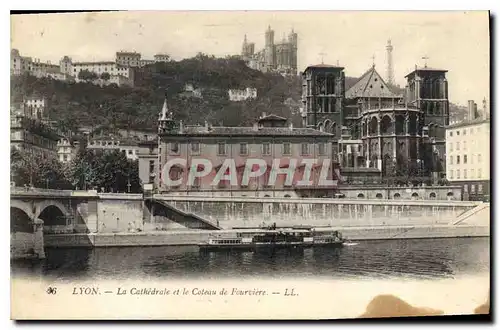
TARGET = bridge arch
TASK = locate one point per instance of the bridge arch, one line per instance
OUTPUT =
(20, 221)
(52, 213)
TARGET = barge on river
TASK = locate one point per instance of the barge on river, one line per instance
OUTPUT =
(273, 238)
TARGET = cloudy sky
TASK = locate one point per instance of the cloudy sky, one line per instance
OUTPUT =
(455, 41)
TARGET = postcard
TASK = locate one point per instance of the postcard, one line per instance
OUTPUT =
(249, 165)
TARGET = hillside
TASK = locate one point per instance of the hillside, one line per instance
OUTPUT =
(109, 108)
(84, 104)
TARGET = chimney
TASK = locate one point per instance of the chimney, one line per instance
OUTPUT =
(181, 127)
(471, 110)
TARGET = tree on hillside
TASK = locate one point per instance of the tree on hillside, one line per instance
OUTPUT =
(87, 75)
(111, 171)
(37, 171)
(105, 76)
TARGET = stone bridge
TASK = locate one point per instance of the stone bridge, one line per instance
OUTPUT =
(38, 212)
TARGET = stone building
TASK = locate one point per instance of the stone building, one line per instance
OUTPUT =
(30, 134)
(373, 126)
(278, 56)
(269, 139)
(468, 155)
(66, 149)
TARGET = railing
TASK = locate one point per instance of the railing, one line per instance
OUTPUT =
(38, 191)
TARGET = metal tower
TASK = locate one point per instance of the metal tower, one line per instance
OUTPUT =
(390, 69)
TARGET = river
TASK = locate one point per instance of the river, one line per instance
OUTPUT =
(384, 259)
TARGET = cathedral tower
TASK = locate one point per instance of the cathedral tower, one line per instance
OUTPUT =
(269, 50)
(293, 41)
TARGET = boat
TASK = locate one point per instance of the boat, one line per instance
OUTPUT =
(265, 239)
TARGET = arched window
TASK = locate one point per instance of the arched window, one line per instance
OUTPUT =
(397, 196)
(379, 195)
(360, 195)
(432, 195)
(414, 195)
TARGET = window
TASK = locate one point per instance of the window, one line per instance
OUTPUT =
(466, 188)
(465, 159)
(286, 148)
(243, 148)
(221, 148)
(472, 173)
(305, 149)
(451, 160)
(321, 149)
(472, 188)
(478, 158)
(465, 145)
(451, 146)
(174, 147)
(266, 149)
(451, 174)
(480, 188)
(151, 166)
(130, 152)
(458, 145)
(458, 174)
(479, 173)
(458, 159)
(458, 133)
(465, 173)
(65, 157)
(464, 132)
(195, 148)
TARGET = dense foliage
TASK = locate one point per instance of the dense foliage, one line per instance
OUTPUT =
(83, 104)
(75, 105)
(102, 170)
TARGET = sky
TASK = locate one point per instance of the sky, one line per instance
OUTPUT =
(455, 41)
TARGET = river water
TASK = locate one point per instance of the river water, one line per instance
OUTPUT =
(384, 259)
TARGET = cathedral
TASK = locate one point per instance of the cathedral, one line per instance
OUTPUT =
(280, 57)
(375, 126)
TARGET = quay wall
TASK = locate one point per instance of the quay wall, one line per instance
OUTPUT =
(179, 238)
(254, 212)
(117, 214)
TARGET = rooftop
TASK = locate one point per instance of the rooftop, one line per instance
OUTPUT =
(272, 117)
(469, 122)
(251, 131)
(425, 68)
(370, 84)
(93, 63)
(324, 66)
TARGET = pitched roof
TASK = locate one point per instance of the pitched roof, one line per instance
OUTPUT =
(370, 84)
(272, 117)
(425, 68)
(324, 66)
(251, 131)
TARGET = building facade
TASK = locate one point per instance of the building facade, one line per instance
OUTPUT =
(270, 139)
(238, 95)
(468, 155)
(121, 71)
(127, 147)
(31, 135)
(373, 127)
(66, 150)
(280, 57)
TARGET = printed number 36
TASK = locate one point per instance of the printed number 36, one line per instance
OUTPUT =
(51, 290)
